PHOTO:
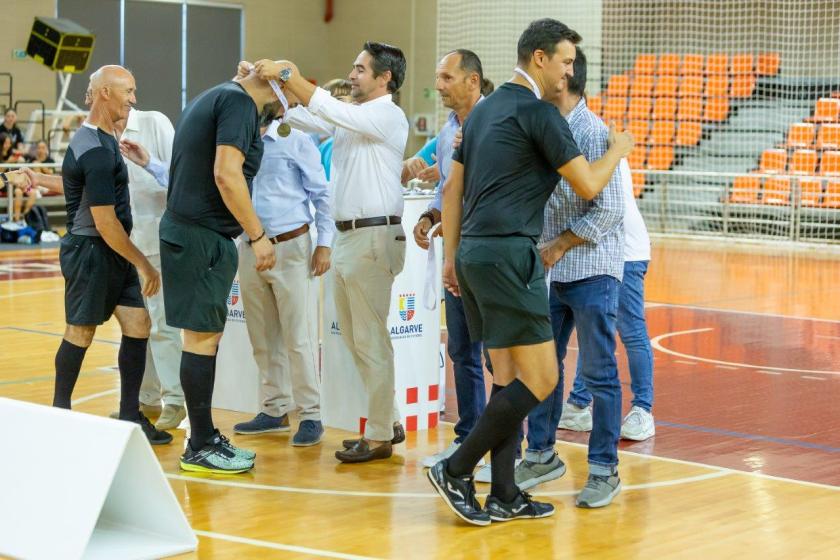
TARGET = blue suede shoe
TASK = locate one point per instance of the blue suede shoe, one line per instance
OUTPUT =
(262, 423)
(309, 433)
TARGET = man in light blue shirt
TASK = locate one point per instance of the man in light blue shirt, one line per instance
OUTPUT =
(281, 303)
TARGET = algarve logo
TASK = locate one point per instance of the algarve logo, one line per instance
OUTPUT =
(233, 297)
(406, 306)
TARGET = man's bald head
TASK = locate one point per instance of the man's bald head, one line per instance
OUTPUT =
(112, 88)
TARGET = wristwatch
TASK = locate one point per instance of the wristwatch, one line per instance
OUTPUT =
(285, 75)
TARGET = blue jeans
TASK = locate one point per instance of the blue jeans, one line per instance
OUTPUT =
(591, 305)
(633, 332)
(466, 361)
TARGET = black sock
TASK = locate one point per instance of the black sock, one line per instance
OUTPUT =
(198, 374)
(68, 364)
(132, 363)
(503, 461)
(501, 418)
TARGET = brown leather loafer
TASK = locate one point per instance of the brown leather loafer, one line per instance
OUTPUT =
(362, 452)
(399, 437)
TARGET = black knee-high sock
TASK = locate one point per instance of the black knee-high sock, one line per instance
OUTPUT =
(501, 418)
(198, 374)
(68, 364)
(503, 461)
(132, 362)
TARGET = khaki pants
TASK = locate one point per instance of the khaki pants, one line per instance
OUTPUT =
(162, 378)
(281, 315)
(366, 261)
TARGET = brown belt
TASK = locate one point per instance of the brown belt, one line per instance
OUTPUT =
(289, 234)
(367, 222)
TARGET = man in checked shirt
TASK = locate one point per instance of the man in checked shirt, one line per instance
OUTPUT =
(583, 247)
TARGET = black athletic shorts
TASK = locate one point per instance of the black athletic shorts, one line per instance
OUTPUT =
(96, 280)
(198, 266)
(504, 292)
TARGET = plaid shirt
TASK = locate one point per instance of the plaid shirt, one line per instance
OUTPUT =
(599, 222)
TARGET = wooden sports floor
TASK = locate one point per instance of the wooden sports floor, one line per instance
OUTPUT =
(745, 463)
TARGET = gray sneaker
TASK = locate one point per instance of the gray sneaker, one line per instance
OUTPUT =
(528, 473)
(262, 423)
(599, 491)
(309, 433)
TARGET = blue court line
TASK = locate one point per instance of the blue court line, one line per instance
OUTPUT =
(60, 335)
(752, 437)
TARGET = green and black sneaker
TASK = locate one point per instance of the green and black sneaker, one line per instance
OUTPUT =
(244, 453)
(215, 457)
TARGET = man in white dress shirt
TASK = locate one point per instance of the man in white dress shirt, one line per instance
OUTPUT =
(281, 303)
(369, 250)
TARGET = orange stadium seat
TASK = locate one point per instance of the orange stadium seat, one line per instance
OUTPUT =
(692, 65)
(776, 191)
(638, 183)
(639, 108)
(618, 85)
(800, 135)
(645, 64)
(741, 64)
(669, 63)
(665, 108)
(810, 191)
(831, 197)
(830, 163)
(691, 109)
(688, 133)
(636, 159)
(803, 162)
(768, 64)
(594, 102)
(717, 64)
(691, 86)
(827, 109)
(639, 129)
(666, 86)
(660, 157)
(828, 138)
(743, 86)
(614, 109)
(745, 190)
(717, 86)
(717, 109)
(662, 133)
(641, 85)
(773, 161)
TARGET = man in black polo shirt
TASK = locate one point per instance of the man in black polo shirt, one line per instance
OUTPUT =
(215, 155)
(513, 149)
(99, 262)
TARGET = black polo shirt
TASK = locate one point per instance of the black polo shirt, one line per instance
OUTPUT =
(512, 147)
(222, 115)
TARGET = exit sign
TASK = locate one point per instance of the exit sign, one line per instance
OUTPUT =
(18, 54)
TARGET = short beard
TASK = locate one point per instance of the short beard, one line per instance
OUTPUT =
(269, 113)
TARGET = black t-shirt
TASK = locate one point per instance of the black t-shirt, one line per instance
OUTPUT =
(94, 174)
(222, 115)
(15, 133)
(512, 147)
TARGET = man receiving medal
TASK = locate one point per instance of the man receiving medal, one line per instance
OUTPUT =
(280, 303)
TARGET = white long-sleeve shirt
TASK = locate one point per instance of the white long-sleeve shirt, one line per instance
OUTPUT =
(636, 238)
(368, 151)
(153, 131)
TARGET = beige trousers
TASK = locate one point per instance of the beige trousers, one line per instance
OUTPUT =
(281, 315)
(365, 262)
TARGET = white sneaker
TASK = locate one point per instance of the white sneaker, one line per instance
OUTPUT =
(485, 474)
(429, 462)
(638, 425)
(575, 418)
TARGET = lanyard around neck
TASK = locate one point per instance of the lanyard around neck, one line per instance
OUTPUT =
(534, 86)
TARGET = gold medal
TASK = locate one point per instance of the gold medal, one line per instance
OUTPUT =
(284, 130)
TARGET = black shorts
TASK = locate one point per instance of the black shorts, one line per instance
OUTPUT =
(198, 266)
(504, 292)
(96, 280)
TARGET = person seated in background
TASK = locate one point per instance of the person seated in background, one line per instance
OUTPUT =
(9, 126)
(42, 155)
(8, 152)
(9, 155)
